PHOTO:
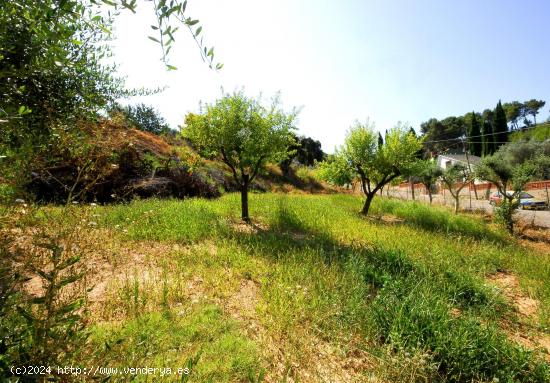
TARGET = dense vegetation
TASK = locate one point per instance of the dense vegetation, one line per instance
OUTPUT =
(482, 133)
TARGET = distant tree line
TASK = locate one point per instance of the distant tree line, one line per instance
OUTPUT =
(305, 151)
(140, 116)
(483, 132)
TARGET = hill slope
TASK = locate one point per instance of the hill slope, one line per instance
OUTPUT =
(540, 132)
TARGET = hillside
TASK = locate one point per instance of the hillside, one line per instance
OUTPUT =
(310, 292)
(540, 132)
(114, 163)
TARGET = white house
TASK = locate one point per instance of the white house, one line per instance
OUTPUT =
(446, 160)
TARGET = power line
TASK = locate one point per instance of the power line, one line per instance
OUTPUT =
(481, 135)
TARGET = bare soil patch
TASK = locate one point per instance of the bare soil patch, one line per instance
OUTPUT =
(249, 228)
(523, 333)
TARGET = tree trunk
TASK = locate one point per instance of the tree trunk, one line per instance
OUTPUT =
(368, 201)
(412, 190)
(510, 226)
(430, 195)
(456, 203)
(244, 199)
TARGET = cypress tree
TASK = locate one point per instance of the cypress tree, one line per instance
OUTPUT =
(487, 131)
(380, 140)
(474, 139)
(500, 127)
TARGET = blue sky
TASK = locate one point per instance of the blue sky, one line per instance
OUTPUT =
(406, 60)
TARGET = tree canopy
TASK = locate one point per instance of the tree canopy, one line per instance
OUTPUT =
(244, 134)
(510, 168)
(143, 117)
(373, 165)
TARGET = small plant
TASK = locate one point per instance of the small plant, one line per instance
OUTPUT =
(45, 326)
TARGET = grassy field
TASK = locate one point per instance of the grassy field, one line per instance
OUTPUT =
(311, 292)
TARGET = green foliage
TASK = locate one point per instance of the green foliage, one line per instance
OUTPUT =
(244, 133)
(455, 178)
(51, 77)
(336, 170)
(46, 328)
(539, 132)
(169, 15)
(427, 172)
(439, 134)
(510, 169)
(50, 66)
(532, 108)
(143, 117)
(306, 151)
(435, 219)
(474, 136)
(500, 127)
(374, 166)
(514, 111)
(140, 220)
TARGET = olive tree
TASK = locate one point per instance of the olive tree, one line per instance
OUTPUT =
(428, 174)
(455, 178)
(510, 168)
(375, 165)
(244, 134)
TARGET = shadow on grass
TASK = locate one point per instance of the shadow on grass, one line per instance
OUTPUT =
(436, 220)
(412, 306)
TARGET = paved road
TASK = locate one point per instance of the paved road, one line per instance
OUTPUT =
(537, 217)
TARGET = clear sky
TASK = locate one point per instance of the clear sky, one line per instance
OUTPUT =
(401, 60)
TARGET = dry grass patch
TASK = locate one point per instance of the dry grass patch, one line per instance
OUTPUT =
(523, 332)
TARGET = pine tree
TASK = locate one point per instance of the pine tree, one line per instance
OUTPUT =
(474, 139)
(500, 127)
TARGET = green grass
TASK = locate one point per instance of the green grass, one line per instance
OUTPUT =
(325, 277)
(173, 339)
(539, 133)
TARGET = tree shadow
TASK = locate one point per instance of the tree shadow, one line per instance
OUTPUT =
(288, 234)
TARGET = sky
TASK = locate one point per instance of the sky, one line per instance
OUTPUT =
(349, 60)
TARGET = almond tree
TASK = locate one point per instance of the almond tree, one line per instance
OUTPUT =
(375, 165)
(244, 134)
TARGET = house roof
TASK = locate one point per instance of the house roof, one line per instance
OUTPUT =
(462, 158)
